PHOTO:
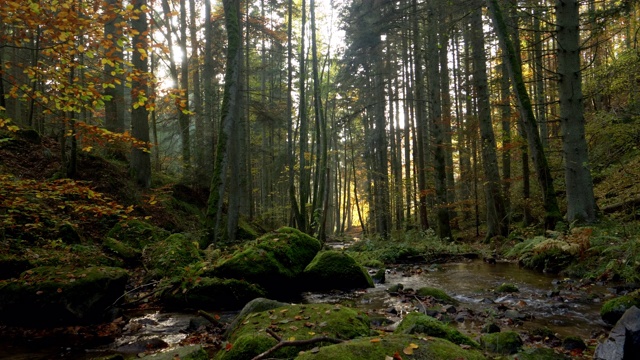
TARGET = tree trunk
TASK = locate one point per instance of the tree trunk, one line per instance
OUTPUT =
(581, 204)
(140, 158)
(183, 114)
(496, 215)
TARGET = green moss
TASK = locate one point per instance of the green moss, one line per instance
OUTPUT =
(169, 257)
(298, 321)
(612, 310)
(539, 354)
(192, 352)
(387, 346)
(214, 293)
(436, 294)
(136, 233)
(124, 251)
(508, 342)
(507, 288)
(336, 270)
(417, 323)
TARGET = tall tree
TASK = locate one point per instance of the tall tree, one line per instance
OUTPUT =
(581, 204)
(140, 157)
(496, 215)
(230, 112)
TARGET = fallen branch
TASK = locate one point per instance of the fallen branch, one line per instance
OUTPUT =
(621, 205)
(212, 319)
(133, 290)
(282, 343)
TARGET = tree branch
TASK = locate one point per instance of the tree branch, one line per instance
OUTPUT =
(282, 343)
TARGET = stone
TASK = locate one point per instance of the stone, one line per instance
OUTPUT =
(170, 257)
(210, 293)
(612, 310)
(418, 323)
(256, 305)
(379, 277)
(191, 352)
(573, 343)
(624, 339)
(490, 328)
(437, 294)
(385, 347)
(505, 343)
(136, 233)
(334, 270)
(507, 288)
(52, 296)
(395, 288)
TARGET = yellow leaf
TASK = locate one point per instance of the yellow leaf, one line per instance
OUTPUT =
(413, 346)
(376, 340)
(311, 333)
(408, 350)
(293, 338)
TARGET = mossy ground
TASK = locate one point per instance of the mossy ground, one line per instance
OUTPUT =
(422, 348)
(417, 323)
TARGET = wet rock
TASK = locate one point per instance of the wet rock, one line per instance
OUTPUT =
(417, 323)
(335, 270)
(553, 293)
(461, 317)
(624, 340)
(253, 306)
(573, 343)
(514, 315)
(171, 256)
(506, 343)
(395, 288)
(209, 293)
(275, 261)
(385, 347)
(51, 295)
(293, 321)
(612, 310)
(192, 352)
(507, 288)
(379, 276)
(437, 294)
(449, 309)
(486, 301)
(142, 345)
(392, 311)
(490, 328)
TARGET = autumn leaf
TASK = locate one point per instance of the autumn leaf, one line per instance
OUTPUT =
(375, 340)
(397, 356)
(228, 347)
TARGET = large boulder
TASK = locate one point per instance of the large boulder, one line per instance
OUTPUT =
(393, 347)
(612, 310)
(274, 261)
(50, 295)
(256, 305)
(624, 339)
(332, 269)
(209, 293)
(299, 322)
(418, 323)
(170, 257)
(136, 233)
(437, 294)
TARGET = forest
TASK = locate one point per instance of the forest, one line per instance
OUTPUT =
(464, 163)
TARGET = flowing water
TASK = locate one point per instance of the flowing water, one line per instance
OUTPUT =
(564, 306)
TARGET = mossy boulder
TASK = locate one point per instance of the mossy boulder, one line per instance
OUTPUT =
(274, 261)
(507, 288)
(418, 323)
(170, 257)
(386, 346)
(256, 305)
(612, 310)
(550, 256)
(332, 269)
(128, 254)
(505, 343)
(210, 293)
(539, 354)
(69, 234)
(136, 233)
(293, 321)
(437, 294)
(192, 352)
(51, 296)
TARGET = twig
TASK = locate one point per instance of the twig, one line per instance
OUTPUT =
(424, 308)
(281, 343)
(132, 290)
(209, 317)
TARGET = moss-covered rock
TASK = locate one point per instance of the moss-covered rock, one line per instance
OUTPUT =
(418, 323)
(505, 343)
(507, 288)
(436, 294)
(293, 321)
(612, 310)
(210, 293)
(127, 253)
(136, 233)
(60, 295)
(385, 347)
(192, 352)
(170, 257)
(69, 234)
(380, 276)
(336, 270)
(256, 305)
(274, 261)
(539, 354)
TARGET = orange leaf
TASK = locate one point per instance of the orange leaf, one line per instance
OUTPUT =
(376, 340)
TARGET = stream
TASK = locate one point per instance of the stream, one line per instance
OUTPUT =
(564, 306)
